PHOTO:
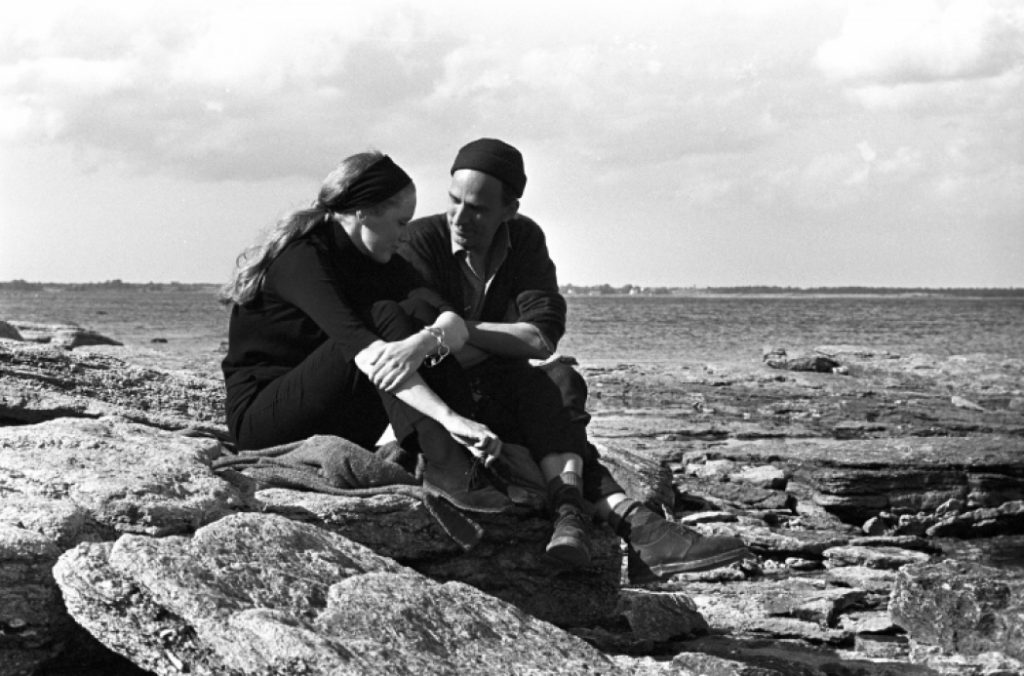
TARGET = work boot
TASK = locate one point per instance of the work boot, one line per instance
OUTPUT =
(570, 541)
(659, 548)
(453, 474)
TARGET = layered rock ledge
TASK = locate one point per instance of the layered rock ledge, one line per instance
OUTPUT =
(884, 501)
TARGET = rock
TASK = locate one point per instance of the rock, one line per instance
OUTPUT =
(779, 543)
(778, 358)
(109, 476)
(882, 646)
(961, 608)
(961, 402)
(740, 496)
(509, 563)
(715, 470)
(65, 336)
(660, 617)
(644, 476)
(261, 594)
(1006, 518)
(40, 383)
(9, 332)
(885, 558)
(820, 606)
(874, 622)
(913, 542)
(875, 526)
(762, 476)
(32, 618)
(858, 479)
(72, 480)
(708, 517)
(871, 579)
(792, 608)
(885, 444)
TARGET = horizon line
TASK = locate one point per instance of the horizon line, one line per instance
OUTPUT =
(689, 287)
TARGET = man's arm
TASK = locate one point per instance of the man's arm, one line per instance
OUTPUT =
(534, 315)
(508, 339)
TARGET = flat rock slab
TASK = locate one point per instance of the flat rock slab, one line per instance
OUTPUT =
(961, 607)
(883, 395)
(108, 476)
(508, 563)
(72, 480)
(66, 336)
(857, 479)
(39, 383)
(785, 608)
(263, 594)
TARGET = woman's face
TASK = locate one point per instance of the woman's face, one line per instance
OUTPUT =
(381, 233)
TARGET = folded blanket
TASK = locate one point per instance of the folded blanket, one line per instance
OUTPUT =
(336, 466)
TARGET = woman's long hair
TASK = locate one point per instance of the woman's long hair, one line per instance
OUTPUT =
(251, 265)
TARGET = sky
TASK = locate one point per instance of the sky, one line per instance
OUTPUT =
(683, 143)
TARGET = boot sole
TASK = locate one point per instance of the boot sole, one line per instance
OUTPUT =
(568, 552)
(464, 506)
(660, 572)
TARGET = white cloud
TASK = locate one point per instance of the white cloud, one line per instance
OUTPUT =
(914, 41)
(226, 91)
(237, 90)
(866, 151)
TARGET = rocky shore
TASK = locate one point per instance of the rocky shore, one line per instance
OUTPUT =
(883, 495)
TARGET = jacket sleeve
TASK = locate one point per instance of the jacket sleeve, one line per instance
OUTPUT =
(535, 283)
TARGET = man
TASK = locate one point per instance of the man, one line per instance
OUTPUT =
(492, 262)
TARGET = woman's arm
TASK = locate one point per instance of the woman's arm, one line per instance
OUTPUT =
(388, 364)
(416, 393)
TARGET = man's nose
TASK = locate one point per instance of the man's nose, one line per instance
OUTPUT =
(458, 211)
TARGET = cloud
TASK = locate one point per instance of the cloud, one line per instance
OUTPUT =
(236, 90)
(227, 92)
(923, 41)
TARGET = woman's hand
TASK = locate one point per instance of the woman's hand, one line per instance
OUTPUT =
(387, 365)
(477, 437)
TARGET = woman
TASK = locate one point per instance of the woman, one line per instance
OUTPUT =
(329, 330)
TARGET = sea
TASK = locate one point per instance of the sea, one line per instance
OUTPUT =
(188, 321)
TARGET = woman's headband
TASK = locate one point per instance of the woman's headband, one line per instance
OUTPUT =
(379, 181)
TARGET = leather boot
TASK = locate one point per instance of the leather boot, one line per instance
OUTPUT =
(570, 540)
(454, 476)
(659, 548)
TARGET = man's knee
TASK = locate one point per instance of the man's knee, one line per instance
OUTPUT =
(572, 389)
(566, 378)
(420, 310)
(395, 320)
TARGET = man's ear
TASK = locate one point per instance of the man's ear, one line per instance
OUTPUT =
(510, 210)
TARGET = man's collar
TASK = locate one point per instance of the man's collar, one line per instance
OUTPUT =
(500, 235)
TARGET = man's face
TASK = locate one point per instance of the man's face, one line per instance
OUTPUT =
(475, 209)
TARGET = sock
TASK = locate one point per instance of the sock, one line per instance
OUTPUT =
(566, 489)
(628, 515)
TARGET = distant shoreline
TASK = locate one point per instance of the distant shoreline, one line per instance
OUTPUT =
(573, 290)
